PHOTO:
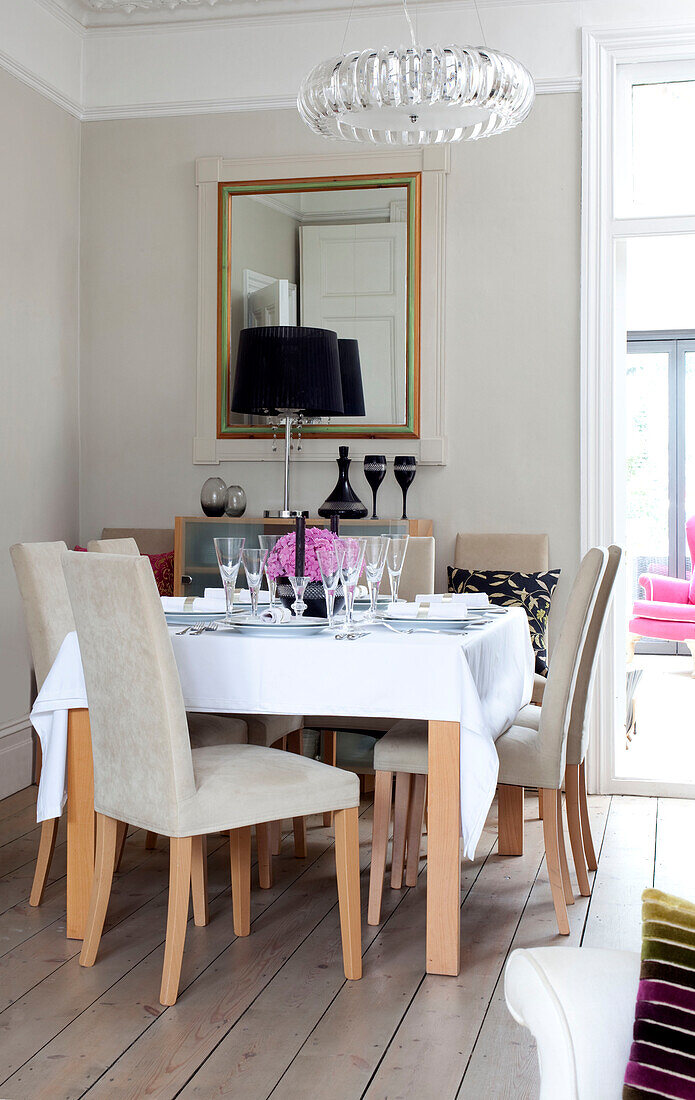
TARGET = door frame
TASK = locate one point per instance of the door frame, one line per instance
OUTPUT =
(610, 59)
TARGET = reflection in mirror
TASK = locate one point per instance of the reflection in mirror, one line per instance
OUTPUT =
(330, 257)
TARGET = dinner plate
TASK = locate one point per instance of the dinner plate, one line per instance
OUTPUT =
(304, 625)
(436, 624)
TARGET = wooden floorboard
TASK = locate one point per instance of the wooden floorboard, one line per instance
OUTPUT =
(271, 1014)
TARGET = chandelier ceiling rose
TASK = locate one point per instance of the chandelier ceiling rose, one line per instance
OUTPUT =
(416, 95)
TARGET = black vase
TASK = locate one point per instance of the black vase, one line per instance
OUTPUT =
(404, 469)
(375, 472)
(314, 598)
(343, 501)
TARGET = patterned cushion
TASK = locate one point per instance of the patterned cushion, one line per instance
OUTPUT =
(163, 569)
(532, 591)
(662, 1057)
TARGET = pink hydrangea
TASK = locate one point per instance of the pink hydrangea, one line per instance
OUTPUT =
(281, 558)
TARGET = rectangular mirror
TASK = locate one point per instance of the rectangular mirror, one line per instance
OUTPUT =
(340, 253)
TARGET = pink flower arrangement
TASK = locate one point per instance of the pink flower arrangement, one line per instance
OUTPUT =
(281, 558)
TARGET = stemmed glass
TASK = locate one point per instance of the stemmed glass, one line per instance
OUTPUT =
(329, 558)
(375, 550)
(350, 569)
(254, 564)
(395, 556)
(267, 542)
(299, 587)
(229, 559)
(404, 470)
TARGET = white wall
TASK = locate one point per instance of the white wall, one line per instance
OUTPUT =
(39, 194)
(512, 337)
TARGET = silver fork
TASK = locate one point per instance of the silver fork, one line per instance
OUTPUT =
(198, 628)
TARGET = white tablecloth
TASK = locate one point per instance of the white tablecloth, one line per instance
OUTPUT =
(480, 679)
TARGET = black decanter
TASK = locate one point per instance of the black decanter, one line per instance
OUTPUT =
(343, 501)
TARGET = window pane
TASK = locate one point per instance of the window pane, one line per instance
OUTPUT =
(689, 444)
(646, 394)
(663, 153)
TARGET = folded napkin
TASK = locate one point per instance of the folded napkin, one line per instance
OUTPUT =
(361, 592)
(426, 610)
(192, 603)
(465, 599)
(276, 614)
(241, 595)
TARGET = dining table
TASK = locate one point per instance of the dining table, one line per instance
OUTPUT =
(468, 684)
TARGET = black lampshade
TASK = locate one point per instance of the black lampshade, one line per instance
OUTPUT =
(283, 367)
(351, 377)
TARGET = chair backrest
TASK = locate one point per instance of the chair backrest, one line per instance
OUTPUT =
(47, 609)
(143, 771)
(579, 728)
(150, 540)
(690, 536)
(513, 553)
(418, 568)
(114, 546)
(559, 690)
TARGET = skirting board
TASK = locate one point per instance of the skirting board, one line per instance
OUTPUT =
(16, 756)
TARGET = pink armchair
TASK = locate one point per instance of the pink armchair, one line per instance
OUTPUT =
(668, 609)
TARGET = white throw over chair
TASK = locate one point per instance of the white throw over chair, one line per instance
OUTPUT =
(528, 757)
(279, 730)
(145, 771)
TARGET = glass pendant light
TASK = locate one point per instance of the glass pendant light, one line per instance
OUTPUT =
(416, 95)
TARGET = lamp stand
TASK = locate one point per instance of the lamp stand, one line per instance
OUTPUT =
(288, 422)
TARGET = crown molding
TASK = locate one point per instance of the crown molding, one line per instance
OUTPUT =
(46, 89)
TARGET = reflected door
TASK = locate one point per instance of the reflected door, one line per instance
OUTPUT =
(660, 473)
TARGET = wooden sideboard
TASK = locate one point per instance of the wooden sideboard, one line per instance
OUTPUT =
(195, 565)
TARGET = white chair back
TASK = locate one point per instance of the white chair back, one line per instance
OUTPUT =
(114, 546)
(47, 609)
(417, 576)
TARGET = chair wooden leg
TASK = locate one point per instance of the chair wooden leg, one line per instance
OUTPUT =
(329, 755)
(510, 820)
(416, 813)
(295, 743)
(380, 839)
(347, 866)
(552, 859)
(240, 859)
(400, 829)
(47, 842)
(275, 837)
(562, 852)
(575, 828)
(121, 835)
(199, 880)
(540, 803)
(180, 858)
(265, 862)
(587, 839)
(107, 831)
(150, 841)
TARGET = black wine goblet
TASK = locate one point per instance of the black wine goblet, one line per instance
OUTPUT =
(404, 469)
(375, 472)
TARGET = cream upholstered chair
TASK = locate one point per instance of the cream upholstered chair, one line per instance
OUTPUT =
(579, 1004)
(150, 540)
(536, 757)
(528, 757)
(417, 578)
(48, 617)
(576, 806)
(284, 730)
(523, 553)
(146, 772)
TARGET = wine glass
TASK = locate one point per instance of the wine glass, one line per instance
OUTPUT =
(375, 549)
(267, 542)
(299, 587)
(404, 469)
(329, 559)
(229, 559)
(352, 558)
(374, 472)
(254, 564)
(395, 556)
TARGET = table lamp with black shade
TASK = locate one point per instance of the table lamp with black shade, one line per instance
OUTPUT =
(291, 373)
